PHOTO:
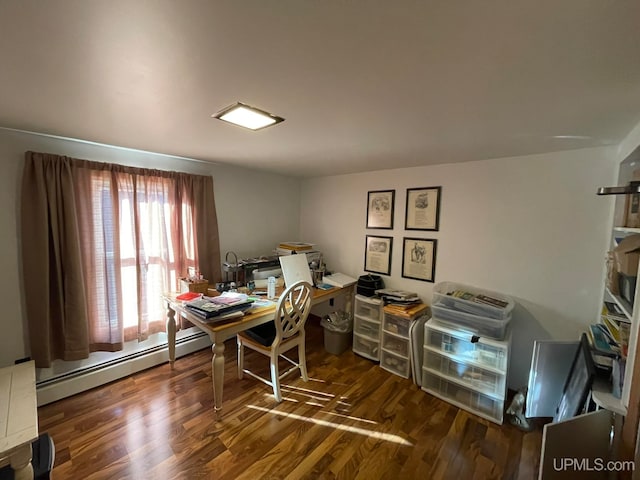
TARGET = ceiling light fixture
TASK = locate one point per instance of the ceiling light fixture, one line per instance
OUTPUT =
(247, 116)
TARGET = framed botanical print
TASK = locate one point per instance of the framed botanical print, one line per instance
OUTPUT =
(380, 206)
(377, 254)
(423, 208)
(419, 258)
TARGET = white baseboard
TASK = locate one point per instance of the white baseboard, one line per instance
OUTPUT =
(65, 386)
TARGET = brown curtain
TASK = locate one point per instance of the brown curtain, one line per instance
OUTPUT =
(113, 239)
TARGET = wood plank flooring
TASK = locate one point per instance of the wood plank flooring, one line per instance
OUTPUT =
(352, 420)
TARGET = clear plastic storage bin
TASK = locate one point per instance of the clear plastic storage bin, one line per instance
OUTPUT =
(368, 307)
(396, 345)
(481, 326)
(396, 325)
(395, 364)
(367, 327)
(366, 347)
(458, 345)
(472, 300)
(476, 402)
(475, 377)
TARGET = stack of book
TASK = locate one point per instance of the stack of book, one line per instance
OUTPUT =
(602, 341)
(225, 306)
(288, 248)
(609, 340)
(617, 325)
(398, 298)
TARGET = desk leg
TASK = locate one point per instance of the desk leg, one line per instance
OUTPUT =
(21, 463)
(171, 334)
(217, 369)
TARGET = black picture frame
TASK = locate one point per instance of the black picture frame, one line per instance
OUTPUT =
(377, 254)
(423, 209)
(419, 258)
(380, 207)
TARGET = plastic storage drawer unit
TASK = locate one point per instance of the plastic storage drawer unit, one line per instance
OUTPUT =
(396, 354)
(465, 370)
(367, 324)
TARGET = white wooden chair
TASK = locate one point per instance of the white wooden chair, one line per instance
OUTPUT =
(283, 334)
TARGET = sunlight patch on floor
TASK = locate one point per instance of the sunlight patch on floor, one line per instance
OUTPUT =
(309, 391)
(349, 417)
(388, 437)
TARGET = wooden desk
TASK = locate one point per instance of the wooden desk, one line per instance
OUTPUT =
(219, 332)
(18, 418)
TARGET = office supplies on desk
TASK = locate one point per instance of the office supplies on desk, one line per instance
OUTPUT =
(188, 296)
(209, 307)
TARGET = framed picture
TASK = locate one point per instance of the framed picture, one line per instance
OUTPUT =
(419, 258)
(423, 208)
(380, 209)
(377, 254)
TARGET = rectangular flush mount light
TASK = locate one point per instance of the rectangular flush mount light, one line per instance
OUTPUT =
(247, 116)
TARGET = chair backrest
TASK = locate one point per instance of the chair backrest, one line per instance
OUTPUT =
(292, 311)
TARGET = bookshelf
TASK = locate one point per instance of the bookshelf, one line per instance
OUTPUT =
(601, 393)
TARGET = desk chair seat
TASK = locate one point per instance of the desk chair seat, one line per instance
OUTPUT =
(284, 333)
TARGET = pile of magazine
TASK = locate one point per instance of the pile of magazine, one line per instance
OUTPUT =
(398, 297)
(479, 298)
(226, 305)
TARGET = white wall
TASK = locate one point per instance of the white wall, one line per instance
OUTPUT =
(245, 225)
(629, 144)
(529, 227)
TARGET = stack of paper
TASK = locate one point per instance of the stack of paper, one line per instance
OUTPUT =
(338, 280)
(398, 297)
(215, 307)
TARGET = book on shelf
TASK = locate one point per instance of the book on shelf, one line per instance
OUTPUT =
(617, 324)
(625, 329)
(612, 310)
(613, 328)
(602, 361)
(600, 342)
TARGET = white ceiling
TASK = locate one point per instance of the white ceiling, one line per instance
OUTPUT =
(362, 84)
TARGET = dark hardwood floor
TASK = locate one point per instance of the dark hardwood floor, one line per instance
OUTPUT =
(352, 420)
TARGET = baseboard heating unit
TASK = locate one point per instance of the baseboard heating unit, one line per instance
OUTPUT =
(63, 381)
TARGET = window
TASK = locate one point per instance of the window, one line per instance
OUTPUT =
(101, 243)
